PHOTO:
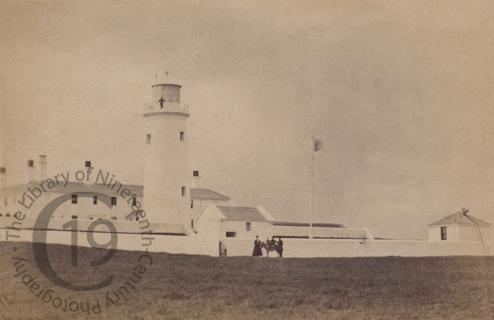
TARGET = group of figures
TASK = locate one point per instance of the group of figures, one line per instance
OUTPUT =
(271, 245)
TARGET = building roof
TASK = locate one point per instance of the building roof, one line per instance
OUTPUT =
(207, 194)
(461, 218)
(304, 224)
(72, 187)
(242, 213)
(321, 232)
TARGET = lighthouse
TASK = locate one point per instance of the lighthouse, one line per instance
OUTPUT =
(166, 177)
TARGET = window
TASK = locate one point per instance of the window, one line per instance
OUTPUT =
(95, 199)
(248, 226)
(192, 204)
(444, 234)
(148, 138)
(183, 191)
(195, 173)
(87, 164)
(3, 170)
(192, 223)
(161, 101)
(74, 198)
(30, 163)
(74, 217)
(113, 201)
(182, 136)
(134, 201)
(231, 234)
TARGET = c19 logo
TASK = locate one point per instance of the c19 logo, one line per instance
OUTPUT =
(40, 247)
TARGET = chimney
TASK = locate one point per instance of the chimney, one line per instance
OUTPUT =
(30, 171)
(42, 167)
(3, 173)
(195, 179)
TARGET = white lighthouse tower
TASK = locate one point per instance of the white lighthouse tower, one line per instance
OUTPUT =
(166, 180)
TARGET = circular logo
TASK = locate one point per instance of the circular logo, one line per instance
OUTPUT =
(40, 243)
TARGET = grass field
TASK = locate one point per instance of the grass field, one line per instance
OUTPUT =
(198, 287)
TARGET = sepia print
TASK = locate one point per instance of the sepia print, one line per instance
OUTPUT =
(246, 159)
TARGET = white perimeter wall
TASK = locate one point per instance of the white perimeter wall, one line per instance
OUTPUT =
(132, 242)
(301, 248)
(305, 248)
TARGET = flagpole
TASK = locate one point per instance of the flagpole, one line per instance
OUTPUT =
(311, 208)
(311, 195)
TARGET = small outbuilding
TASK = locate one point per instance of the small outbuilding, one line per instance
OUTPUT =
(236, 222)
(460, 226)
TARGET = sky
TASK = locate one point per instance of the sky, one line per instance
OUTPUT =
(400, 94)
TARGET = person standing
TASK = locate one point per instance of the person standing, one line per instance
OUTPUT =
(257, 248)
(280, 247)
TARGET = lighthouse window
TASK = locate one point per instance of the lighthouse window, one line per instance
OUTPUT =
(134, 201)
(87, 164)
(192, 204)
(248, 226)
(30, 163)
(95, 199)
(182, 136)
(183, 191)
(148, 138)
(74, 198)
(195, 173)
(113, 201)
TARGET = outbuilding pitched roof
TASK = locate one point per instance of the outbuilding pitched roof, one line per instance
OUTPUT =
(207, 194)
(241, 213)
(461, 218)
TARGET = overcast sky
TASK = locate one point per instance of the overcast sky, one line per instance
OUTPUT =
(399, 92)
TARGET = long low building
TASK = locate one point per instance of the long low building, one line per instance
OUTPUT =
(319, 231)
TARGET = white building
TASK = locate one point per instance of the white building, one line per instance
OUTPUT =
(174, 203)
(319, 231)
(237, 222)
(461, 227)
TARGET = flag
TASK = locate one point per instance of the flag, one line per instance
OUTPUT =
(317, 144)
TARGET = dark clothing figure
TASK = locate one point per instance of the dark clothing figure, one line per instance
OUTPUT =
(280, 247)
(222, 249)
(257, 248)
